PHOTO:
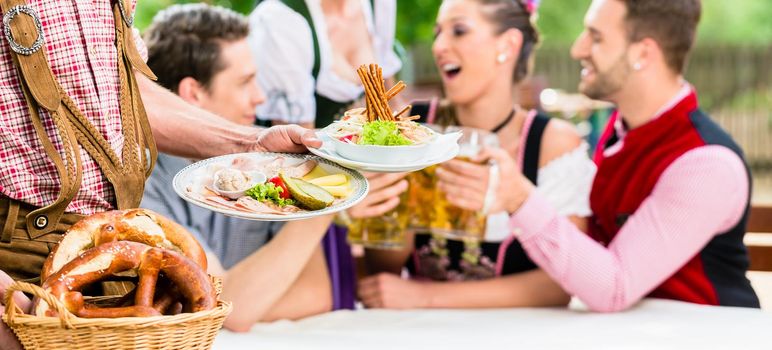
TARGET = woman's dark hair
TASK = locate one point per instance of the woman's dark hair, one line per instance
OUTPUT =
(508, 14)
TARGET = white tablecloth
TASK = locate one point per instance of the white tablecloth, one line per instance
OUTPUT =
(653, 324)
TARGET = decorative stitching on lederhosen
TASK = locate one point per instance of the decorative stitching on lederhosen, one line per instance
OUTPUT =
(41, 89)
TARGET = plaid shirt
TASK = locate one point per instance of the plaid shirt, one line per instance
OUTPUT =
(80, 44)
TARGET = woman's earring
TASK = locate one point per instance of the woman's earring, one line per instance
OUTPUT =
(501, 57)
(637, 66)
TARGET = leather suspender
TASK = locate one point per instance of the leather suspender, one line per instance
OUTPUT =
(128, 173)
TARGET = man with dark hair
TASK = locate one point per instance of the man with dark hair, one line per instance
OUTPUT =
(270, 270)
(671, 195)
(198, 52)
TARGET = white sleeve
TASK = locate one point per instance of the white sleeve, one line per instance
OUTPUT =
(385, 21)
(565, 182)
(282, 45)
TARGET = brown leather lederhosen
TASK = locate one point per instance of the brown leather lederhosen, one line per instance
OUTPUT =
(29, 233)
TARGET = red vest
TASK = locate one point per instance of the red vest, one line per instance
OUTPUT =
(716, 275)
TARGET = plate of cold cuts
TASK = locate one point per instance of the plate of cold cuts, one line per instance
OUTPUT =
(270, 186)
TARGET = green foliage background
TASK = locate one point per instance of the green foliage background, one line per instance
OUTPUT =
(560, 21)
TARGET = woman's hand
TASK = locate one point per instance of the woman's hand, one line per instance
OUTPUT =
(385, 189)
(389, 291)
(465, 184)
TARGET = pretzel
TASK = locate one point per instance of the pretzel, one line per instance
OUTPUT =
(112, 258)
(137, 225)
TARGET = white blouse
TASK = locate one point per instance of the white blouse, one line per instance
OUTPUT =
(282, 44)
(565, 182)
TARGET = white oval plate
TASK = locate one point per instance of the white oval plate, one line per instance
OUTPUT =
(188, 177)
(327, 151)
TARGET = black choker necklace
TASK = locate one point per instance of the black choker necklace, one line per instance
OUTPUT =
(505, 122)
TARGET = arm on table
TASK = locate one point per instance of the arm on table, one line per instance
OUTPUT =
(311, 294)
(700, 194)
(258, 282)
(526, 289)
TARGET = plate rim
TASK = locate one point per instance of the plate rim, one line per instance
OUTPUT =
(354, 173)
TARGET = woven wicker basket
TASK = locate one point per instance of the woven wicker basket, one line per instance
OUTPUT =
(184, 331)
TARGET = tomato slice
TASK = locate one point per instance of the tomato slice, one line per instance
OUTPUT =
(285, 194)
(347, 138)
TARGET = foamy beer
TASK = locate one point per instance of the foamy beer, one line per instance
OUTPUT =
(446, 218)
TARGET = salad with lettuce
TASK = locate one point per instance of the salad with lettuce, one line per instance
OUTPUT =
(354, 128)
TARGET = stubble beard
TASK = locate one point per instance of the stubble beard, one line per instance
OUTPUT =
(607, 82)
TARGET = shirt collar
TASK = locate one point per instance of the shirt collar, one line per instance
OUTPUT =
(621, 129)
(684, 92)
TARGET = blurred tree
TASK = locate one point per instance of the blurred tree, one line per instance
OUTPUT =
(560, 21)
(735, 22)
(146, 9)
(420, 14)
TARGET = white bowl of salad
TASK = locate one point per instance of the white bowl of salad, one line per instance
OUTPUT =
(384, 142)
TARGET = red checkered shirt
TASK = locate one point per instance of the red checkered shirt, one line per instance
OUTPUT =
(80, 43)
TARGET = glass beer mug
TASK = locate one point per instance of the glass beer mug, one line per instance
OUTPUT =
(448, 219)
(383, 232)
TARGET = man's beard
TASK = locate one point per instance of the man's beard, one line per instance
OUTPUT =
(607, 82)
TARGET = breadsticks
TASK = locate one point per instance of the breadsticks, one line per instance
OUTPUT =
(396, 89)
(376, 96)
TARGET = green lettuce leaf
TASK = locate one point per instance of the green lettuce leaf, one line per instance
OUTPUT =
(382, 133)
(269, 192)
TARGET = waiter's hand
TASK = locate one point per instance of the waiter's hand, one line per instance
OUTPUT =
(287, 138)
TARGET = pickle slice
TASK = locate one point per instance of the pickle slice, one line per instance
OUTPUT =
(309, 196)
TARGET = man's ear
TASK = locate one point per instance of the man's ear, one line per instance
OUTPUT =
(191, 91)
(645, 53)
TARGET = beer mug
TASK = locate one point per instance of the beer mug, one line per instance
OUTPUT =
(382, 232)
(420, 201)
(448, 219)
(421, 193)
